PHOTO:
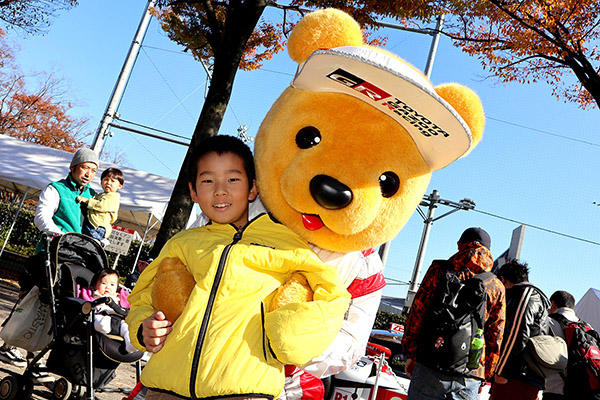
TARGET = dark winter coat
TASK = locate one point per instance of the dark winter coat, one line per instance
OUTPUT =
(526, 316)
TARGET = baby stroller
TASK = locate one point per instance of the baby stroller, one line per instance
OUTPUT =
(84, 358)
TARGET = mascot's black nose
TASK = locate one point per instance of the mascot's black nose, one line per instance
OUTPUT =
(329, 192)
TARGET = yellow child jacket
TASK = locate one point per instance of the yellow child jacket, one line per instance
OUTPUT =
(103, 210)
(225, 343)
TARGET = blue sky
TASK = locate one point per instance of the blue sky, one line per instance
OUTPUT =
(521, 170)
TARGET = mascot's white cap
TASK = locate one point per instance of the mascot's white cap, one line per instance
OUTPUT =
(394, 88)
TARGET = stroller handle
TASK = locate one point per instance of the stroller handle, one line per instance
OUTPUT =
(101, 300)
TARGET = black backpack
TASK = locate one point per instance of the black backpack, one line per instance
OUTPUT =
(583, 367)
(452, 320)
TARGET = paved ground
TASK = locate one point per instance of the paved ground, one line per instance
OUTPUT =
(126, 376)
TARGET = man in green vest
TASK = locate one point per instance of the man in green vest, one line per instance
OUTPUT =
(57, 213)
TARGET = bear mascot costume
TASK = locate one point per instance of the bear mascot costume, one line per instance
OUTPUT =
(343, 158)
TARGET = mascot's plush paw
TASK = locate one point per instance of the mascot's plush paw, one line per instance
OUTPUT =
(172, 287)
(295, 290)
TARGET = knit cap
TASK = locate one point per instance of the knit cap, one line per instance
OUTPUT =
(476, 235)
(84, 155)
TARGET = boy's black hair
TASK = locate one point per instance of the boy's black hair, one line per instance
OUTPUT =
(101, 274)
(222, 144)
(563, 299)
(113, 173)
(514, 272)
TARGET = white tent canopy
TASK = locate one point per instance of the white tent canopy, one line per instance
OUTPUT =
(28, 168)
(588, 308)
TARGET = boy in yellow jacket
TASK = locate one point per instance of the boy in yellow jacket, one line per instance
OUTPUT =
(103, 208)
(226, 342)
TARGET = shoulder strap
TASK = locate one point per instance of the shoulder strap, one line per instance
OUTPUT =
(485, 276)
(510, 338)
(541, 293)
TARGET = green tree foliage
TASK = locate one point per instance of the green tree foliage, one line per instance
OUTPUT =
(25, 234)
(383, 320)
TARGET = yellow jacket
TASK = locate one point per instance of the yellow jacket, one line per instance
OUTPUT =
(103, 210)
(225, 343)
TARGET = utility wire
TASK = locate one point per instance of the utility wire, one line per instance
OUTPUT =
(184, 53)
(151, 153)
(276, 72)
(166, 82)
(153, 129)
(544, 132)
(181, 101)
(537, 227)
(178, 104)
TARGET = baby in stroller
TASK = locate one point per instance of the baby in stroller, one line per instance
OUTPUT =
(109, 317)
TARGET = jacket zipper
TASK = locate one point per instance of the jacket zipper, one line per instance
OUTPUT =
(207, 312)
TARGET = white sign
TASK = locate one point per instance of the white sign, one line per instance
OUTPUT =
(394, 327)
(120, 240)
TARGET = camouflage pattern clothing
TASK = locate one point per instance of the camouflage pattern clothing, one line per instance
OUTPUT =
(471, 259)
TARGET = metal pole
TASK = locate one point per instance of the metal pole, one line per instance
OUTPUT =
(119, 88)
(412, 288)
(434, 45)
(379, 367)
(14, 221)
(137, 256)
(384, 249)
(116, 262)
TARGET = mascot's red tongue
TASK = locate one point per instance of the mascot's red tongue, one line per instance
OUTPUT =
(312, 222)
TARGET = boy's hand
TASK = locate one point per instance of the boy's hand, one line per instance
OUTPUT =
(81, 199)
(155, 329)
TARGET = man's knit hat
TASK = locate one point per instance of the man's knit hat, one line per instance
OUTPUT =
(476, 235)
(84, 155)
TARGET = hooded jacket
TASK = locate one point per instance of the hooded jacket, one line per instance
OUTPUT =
(225, 343)
(472, 258)
(555, 383)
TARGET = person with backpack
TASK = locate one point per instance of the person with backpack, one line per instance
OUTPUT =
(454, 329)
(526, 316)
(581, 379)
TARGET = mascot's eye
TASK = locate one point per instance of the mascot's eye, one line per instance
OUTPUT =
(389, 183)
(308, 137)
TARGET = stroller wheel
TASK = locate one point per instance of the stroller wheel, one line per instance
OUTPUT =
(9, 387)
(62, 389)
(12, 386)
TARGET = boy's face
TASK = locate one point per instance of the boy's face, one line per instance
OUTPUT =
(110, 184)
(222, 190)
(107, 286)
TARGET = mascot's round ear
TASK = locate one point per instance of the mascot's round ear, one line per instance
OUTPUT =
(323, 29)
(468, 105)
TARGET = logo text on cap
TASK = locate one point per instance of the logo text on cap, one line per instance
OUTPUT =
(420, 122)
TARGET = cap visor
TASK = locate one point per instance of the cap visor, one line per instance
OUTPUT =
(397, 90)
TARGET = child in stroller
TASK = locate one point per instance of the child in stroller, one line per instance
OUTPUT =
(84, 358)
(109, 317)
